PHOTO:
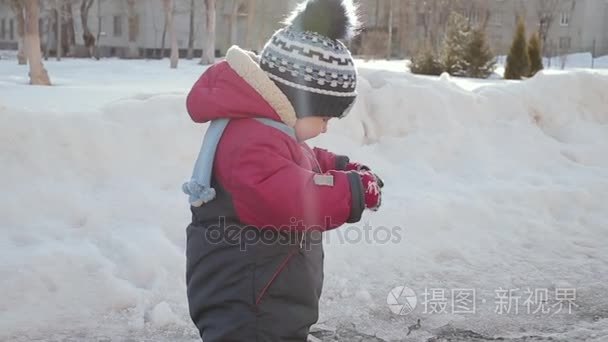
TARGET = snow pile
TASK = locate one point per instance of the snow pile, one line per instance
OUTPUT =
(92, 217)
(502, 186)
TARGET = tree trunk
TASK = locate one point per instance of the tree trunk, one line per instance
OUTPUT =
(97, 52)
(191, 33)
(208, 56)
(70, 33)
(389, 45)
(132, 50)
(234, 23)
(250, 25)
(49, 32)
(38, 74)
(402, 25)
(59, 34)
(87, 36)
(168, 7)
(162, 42)
(17, 7)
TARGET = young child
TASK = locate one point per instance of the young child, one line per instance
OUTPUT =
(260, 197)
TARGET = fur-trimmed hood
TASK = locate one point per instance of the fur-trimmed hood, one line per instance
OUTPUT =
(238, 88)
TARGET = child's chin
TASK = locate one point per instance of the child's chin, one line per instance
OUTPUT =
(307, 137)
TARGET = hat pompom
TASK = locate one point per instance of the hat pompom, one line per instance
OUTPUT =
(335, 19)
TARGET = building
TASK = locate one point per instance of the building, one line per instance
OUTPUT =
(567, 26)
(139, 33)
(8, 28)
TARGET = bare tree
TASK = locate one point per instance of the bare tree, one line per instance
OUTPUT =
(169, 11)
(190, 53)
(17, 7)
(59, 22)
(432, 15)
(251, 5)
(133, 24)
(163, 40)
(546, 11)
(567, 10)
(49, 28)
(38, 74)
(234, 21)
(374, 44)
(70, 32)
(403, 24)
(87, 36)
(99, 27)
(208, 56)
(389, 43)
(477, 13)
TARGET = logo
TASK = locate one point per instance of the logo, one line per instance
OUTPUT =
(401, 300)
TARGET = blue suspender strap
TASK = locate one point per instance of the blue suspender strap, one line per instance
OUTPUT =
(199, 187)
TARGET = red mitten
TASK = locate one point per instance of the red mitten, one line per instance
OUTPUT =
(371, 189)
(354, 166)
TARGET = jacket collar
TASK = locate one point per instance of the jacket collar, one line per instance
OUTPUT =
(246, 65)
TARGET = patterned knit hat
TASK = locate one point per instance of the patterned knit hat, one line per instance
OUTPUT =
(307, 61)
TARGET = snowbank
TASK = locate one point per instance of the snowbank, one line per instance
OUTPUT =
(502, 186)
(92, 217)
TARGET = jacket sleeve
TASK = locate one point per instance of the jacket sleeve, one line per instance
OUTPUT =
(272, 191)
(330, 161)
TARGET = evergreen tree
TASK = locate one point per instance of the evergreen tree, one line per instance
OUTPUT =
(479, 57)
(455, 44)
(425, 62)
(534, 51)
(518, 60)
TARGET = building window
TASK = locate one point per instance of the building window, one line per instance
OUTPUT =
(565, 19)
(117, 26)
(564, 43)
(3, 28)
(496, 18)
(11, 30)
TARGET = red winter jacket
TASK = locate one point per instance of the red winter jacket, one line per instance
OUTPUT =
(250, 284)
(269, 176)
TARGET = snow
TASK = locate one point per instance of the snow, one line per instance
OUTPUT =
(574, 61)
(490, 185)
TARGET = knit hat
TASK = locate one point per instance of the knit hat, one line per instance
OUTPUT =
(309, 63)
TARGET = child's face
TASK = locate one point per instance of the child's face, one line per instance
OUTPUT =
(310, 127)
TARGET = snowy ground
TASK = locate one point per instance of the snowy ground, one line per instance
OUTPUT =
(493, 185)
